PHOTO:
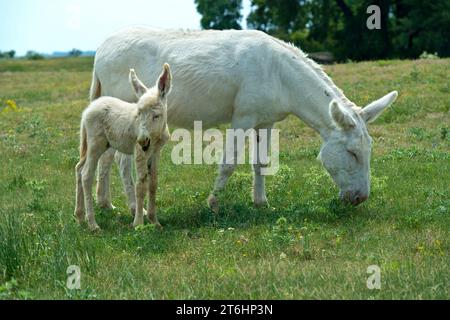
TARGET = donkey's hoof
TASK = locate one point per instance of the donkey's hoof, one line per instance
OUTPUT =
(94, 228)
(261, 204)
(213, 203)
(137, 223)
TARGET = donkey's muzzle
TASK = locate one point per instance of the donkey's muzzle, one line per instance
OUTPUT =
(354, 198)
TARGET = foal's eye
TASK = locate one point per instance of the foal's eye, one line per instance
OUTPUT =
(156, 117)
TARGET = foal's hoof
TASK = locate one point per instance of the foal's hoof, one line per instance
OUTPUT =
(79, 216)
(213, 203)
(133, 212)
(154, 220)
(106, 206)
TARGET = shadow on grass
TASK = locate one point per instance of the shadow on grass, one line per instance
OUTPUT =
(243, 215)
(182, 225)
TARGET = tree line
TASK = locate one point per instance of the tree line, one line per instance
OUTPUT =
(407, 27)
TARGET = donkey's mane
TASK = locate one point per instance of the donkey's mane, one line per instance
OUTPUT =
(320, 72)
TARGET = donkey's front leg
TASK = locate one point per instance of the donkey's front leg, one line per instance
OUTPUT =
(151, 210)
(141, 185)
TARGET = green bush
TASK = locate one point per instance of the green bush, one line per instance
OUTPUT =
(33, 55)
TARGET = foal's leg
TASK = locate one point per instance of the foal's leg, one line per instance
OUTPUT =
(104, 172)
(259, 189)
(95, 150)
(79, 200)
(151, 209)
(141, 185)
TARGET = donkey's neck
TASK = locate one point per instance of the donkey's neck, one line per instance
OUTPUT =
(310, 91)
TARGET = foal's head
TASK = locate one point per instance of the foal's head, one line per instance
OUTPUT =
(152, 108)
(346, 152)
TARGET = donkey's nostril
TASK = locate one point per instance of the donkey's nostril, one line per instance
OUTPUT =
(359, 198)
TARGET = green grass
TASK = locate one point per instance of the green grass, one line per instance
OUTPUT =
(306, 245)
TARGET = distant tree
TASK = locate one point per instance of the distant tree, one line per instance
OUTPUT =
(408, 27)
(309, 24)
(75, 53)
(7, 54)
(33, 55)
(277, 17)
(421, 26)
(220, 14)
(356, 40)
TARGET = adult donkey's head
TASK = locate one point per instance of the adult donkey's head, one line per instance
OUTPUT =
(345, 154)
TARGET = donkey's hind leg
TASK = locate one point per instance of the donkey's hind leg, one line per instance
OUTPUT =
(104, 172)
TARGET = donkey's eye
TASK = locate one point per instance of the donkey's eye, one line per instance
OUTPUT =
(353, 154)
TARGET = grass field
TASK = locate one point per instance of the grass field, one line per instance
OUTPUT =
(306, 245)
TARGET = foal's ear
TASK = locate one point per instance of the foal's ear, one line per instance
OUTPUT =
(374, 109)
(164, 82)
(138, 87)
(340, 116)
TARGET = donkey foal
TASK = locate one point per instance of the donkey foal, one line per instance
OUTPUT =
(139, 128)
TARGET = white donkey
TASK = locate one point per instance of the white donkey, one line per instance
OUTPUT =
(139, 128)
(249, 79)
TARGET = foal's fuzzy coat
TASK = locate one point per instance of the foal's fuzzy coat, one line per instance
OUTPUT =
(139, 128)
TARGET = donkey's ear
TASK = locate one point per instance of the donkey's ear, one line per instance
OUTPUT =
(374, 109)
(138, 87)
(164, 82)
(340, 116)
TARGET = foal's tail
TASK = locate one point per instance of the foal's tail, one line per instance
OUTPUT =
(96, 87)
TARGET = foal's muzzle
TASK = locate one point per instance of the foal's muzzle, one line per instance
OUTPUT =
(144, 143)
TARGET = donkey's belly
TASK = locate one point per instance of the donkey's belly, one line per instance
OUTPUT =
(183, 110)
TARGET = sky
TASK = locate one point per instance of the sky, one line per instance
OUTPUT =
(61, 25)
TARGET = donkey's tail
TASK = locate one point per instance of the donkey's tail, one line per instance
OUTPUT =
(96, 87)
(83, 143)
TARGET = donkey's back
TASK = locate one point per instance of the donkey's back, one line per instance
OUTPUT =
(209, 68)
